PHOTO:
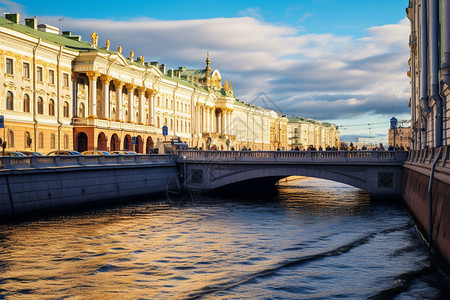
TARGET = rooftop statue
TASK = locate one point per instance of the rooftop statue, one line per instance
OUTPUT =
(107, 44)
(119, 49)
(131, 55)
(94, 37)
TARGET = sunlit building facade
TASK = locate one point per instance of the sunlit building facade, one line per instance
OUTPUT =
(307, 133)
(60, 92)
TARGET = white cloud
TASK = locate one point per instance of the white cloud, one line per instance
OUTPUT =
(319, 75)
(10, 6)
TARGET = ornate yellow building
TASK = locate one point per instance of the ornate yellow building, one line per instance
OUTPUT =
(59, 92)
(304, 133)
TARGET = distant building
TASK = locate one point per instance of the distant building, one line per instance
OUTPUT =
(303, 133)
(401, 136)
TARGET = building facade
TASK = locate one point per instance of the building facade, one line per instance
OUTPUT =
(60, 92)
(400, 137)
(307, 133)
(430, 73)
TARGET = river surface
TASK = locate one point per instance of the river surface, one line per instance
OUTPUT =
(311, 239)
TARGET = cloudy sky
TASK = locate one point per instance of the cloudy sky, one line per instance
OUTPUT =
(342, 61)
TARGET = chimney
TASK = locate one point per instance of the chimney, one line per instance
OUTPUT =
(162, 68)
(31, 22)
(13, 17)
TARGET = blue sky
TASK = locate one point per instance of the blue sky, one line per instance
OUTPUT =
(343, 61)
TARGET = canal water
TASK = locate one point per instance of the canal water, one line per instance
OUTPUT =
(311, 239)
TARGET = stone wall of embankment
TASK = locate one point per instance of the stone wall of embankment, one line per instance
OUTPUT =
(27, 189)
(416, 180)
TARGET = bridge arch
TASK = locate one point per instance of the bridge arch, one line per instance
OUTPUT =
(379, 174)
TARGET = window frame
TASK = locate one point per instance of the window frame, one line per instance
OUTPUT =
(66, 109)
(9, 65)
(51, 107)
(39, 74)
(26, 103)
(40, 106)
(9, 100)
(66, 80)
(26, 66)
(51, 76)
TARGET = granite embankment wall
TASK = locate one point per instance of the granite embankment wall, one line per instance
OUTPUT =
(416, 179)
(32, 184)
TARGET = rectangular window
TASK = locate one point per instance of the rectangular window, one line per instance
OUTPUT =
(9, 66)
(51, 76)
(26, 70)
(66, 80)
(39, 75)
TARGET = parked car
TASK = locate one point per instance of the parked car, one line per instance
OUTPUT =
(12, 153)
(64, 152)
(30, 153)
(95, 152)
(123, 152)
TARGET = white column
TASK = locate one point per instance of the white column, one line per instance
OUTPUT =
(92, 94)
(119, 99)
(130, 89)
(106, 99)
(230, 123)
(141, 93)
(153, 107)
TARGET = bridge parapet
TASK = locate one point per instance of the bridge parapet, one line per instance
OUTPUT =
(87, 160)
(294, 156)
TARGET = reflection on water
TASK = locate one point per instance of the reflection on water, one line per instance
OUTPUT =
(313, 239)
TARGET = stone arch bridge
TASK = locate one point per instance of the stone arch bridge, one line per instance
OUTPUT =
(377, 172)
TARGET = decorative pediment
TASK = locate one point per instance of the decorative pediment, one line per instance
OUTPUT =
(41, 92)
(10, 85)
(26, 88)
(51, 94)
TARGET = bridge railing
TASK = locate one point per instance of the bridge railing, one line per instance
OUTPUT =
(427, 156)
(20, 162)
(316, 156)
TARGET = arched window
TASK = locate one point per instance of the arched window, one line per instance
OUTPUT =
(66, 109)
(9, 101)
(26, 103)
(27, 140)
(51, 107)
(167, 103)
(41, 140)
(10, 138)
(81, 111)
(159, 101)
(52, 141)
(66, 141)
(157, 122)
(165, 122)
(40, 106)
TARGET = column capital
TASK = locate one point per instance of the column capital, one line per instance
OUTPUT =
(130, 86)
(105, 79)
(93, 75)
(141, 90)
(118, 84)
(151, 92)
